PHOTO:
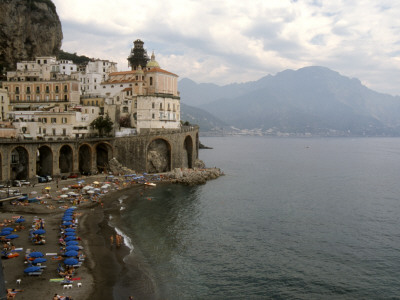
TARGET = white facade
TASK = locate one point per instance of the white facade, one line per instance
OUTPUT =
(4, 103)
(95, 72)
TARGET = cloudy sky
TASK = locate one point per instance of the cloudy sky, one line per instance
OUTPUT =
(226, 41)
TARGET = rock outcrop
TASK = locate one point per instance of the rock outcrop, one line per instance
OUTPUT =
(116, 167)
(193, 176)
(28, 28)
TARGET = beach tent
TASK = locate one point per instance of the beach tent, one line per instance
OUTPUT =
(12, 236)
(72, 243)
(39, 231)
(70, 261)
(39, 260)
(35, 254)
(32, 269)
(71, 253)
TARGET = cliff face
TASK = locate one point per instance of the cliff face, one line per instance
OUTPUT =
(28, 28)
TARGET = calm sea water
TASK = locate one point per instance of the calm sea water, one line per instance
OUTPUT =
(292, 219)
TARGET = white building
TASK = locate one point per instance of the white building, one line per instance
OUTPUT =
(95, 72)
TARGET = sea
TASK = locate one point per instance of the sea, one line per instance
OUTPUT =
(292, 218)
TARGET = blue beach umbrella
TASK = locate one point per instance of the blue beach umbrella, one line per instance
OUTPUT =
(5, 232)
(32, 269)
(68, 213)
(70, 233)
(70, 230)
(39, 231)
(71, 253)
(39, 260)
(72, 243)
(70, 238)
(67, 223)
(20, 220)
(74, 248)
(12, 236)
(67, 218)
(7, 229)
(36, 254)
(70, 261)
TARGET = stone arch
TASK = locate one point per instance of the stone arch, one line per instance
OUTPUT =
(158, 156)
(85, 159)
(65, 160)
(187, 152)
(44, 161)
(19, 163)
(104, 153)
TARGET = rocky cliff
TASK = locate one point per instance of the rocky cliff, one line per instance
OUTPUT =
(28, 28)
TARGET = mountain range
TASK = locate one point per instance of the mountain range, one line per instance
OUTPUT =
(311, 100)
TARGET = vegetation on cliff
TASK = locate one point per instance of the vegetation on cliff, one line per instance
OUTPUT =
(77, 59)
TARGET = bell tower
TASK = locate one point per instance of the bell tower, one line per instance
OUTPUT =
(138, 56)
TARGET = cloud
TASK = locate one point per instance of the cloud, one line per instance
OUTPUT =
(235, 41)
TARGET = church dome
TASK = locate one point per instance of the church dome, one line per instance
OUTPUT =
(152, 63)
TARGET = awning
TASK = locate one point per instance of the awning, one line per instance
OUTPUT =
(27, 136)
(22, 106)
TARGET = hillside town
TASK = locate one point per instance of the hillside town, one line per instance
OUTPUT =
(50, 99)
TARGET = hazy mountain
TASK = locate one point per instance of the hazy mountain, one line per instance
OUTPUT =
(204, 119)
(309, 100)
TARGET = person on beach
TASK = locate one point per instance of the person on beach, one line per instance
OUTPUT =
(112, 240)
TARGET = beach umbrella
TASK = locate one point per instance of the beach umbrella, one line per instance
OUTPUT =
(70, 209)
(70, 233)
(69, 248)
(70, 261)
(64, 196)
(72, 243)
(90, 192)
(96, 182)
(67, 219)
(88, 187)
(20, 220)
(4, 233)
(64, 189)
(35, 254)
(47, 188)
(7, 229)
(39, 260)
(71, 253)
(66, 223)
(32, 269)
(39, 231)
(68, 214)
(70, 238)
(12, 236)
(33, 192)
(69, 230)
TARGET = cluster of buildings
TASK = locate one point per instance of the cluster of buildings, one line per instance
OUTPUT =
(50, 99)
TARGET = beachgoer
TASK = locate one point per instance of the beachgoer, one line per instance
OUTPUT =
(112, 240)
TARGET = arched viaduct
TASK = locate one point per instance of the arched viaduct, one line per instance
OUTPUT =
(155, 151)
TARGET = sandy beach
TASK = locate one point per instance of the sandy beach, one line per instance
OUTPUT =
(102, 262)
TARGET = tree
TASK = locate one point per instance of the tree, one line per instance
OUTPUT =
(103, 125)
(125, 121)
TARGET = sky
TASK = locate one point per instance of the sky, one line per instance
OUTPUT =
(228, 41)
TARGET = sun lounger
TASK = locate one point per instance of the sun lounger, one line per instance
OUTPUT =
(35, 273)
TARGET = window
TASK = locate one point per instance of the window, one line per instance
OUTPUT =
(152, 105)
(160, 105)
(65, 88)
(28, 89)
(153, 116)
(64, 120)
(121, 85)
(169, 107)
(47, 89)
(17, 90)
(135, 103)
(28, 98)
(17, 98)
(37, 98)
(64, 132)
(40, 130)
(14, 159)
(54, 131)
(135, 116)
(65, 97)
(97, 102)
(57, 90)
(125, 109)
(44, 130)
(151, 80)
(53, 120)
(44, 120)
(37, 90)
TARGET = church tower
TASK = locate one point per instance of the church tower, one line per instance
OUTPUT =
(138, 56)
